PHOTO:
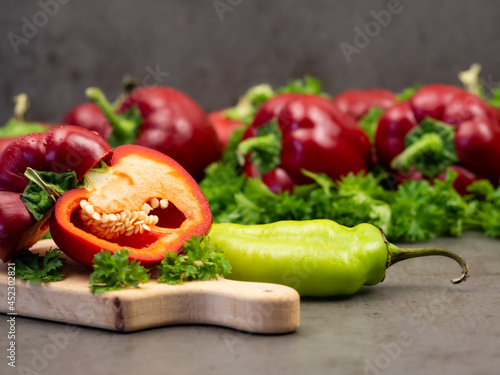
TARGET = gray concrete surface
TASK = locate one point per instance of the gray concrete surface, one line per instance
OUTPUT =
(415, 322)
(216, 58)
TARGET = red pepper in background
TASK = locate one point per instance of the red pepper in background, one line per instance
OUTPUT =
(170, 122)
(89, 116)
(144, 201)
(315, 137)
(357, 103)
(466, 133)
(226, 121)
(223, 125)
(62, 149)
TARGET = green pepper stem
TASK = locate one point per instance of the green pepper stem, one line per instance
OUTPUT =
(249, 102)
(22, 103)
(428, 143)
(397, 254)
(121, 127)
(129, 83)
(31, 175)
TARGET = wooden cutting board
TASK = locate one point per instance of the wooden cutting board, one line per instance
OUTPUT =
(250, 307)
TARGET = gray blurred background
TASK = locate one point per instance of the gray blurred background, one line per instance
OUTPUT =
(215, 50)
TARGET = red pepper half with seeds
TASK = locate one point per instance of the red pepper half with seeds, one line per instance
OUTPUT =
(142, 200)
(64, 149)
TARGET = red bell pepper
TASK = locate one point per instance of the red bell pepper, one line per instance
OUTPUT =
(224, 126)
(89, 116)
(226, 121)
(315, 137)
(357, 103)
(437, 127)
(170, 122)
(62, 149)
(144, 201)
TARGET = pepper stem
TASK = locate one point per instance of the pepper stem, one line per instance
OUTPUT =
(32, 175)
(122, 127)
(428, 143)
(397, 254)
(22, 103)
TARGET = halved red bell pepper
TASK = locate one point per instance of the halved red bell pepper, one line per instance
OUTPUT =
(316, 137)
(62, 149)
(144, 201)
(466, 133)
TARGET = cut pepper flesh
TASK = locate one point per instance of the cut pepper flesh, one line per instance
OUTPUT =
(90, 219)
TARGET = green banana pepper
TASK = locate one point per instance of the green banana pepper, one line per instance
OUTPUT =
(315, 257)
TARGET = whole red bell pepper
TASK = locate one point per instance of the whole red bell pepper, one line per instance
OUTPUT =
(62, 149)
(437, 127)
(315, 136)
(169, 122)
(357, 103)
(144, 201)
(89, 116)
(224, 125)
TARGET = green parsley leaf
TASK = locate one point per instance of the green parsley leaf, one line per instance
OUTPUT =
(115, 272)
(407, 93)
(308, 85)
(484, 204)
(39, 269)
(199, 260)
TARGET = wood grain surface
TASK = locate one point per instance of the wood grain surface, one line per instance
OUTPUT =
(246, 306)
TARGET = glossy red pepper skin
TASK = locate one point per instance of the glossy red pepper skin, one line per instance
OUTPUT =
(392, 128)
(62, 149)
(316, 137)
(138, 174)
(89, 116)
(357, 103)
(477, 143)
(223, 125)
(175, 125)
(477, 137)
(4, 142)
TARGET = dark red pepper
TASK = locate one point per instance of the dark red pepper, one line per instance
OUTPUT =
(62, 149)
(316, 137)
(89, 116)
(357, 103)
(474, 129)
(171, 122)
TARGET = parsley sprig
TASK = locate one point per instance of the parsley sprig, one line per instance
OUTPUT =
(37, 268)
(199, 260)
(114, 271)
